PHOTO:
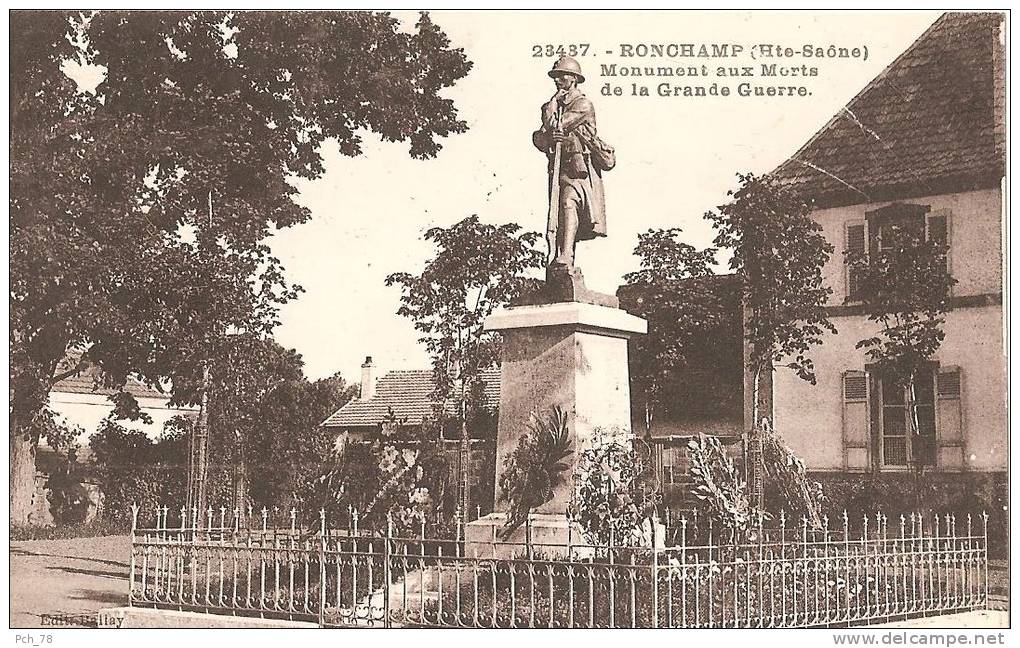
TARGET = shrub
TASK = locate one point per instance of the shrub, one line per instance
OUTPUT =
(719, 488)
(132, 469)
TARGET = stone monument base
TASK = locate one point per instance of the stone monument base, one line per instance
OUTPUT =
(552, 535)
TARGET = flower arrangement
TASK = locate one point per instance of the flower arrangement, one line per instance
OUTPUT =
(615, 498)
(535, 467)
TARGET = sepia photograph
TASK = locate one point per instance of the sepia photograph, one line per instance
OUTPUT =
(515, 319)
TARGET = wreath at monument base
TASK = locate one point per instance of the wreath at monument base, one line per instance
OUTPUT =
(612, 504)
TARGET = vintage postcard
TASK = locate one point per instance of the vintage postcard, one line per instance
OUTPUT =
(509, 319)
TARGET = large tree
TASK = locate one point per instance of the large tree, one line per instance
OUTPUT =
(139, 211)
(778, 252)
(477, 268)
(904, 284)
(264, 418)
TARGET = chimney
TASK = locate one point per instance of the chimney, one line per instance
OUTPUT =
(367, 379)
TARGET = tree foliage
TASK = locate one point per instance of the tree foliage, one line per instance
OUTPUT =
(693, 326)
(399, 476)
(905, 286)
(477, 268)
(778, 253)
(140, 208)
(719, 486)
(131, 468)
(264, 418)
(616, 493)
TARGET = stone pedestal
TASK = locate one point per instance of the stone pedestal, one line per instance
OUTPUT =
(571, 355)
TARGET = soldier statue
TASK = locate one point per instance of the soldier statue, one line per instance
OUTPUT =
(577, 158)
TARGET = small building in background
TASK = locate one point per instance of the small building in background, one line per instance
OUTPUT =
(81, 402)
(403, 399)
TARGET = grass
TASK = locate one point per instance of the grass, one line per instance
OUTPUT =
(62, 532)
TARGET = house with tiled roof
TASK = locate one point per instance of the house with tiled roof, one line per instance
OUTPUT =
(402, 396)
(83, 400)
(923, 145)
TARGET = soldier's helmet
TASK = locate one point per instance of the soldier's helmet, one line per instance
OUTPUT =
(567, 65)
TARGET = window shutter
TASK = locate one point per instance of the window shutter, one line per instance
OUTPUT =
(856, 243)
(949, 422)
(937, 225)
(856, 420)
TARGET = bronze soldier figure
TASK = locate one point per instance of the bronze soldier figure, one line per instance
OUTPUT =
(577, 206)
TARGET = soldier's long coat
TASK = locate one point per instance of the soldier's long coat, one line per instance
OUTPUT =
(576, 169)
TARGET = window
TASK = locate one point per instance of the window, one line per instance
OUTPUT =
(875, 422)
(868, 236)
(900, 448)
(894, 216)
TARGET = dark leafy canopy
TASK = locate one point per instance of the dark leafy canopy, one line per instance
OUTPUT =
(199, 121)
(197, 124)
(691, 325)
(264, 418)
(778, 253)
(905, 286)
(477, 268)
(264, 436)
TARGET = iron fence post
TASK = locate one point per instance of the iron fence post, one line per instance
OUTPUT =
(322, 567)
(134, 526)
(984, 521)
(655, 578)
(386, 570)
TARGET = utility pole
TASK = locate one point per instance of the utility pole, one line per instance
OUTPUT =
(465, 455)
(198, 457)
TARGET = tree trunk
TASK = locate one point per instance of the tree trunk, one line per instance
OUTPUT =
(754, 457)
(465, 455)
(648, 418)
(755, 405)
(22, 475)
(914, 432)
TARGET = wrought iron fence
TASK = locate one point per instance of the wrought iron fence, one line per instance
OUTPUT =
(348, 577)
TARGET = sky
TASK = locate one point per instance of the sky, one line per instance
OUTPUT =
(676, 158)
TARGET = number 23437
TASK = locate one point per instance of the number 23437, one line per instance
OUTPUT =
(576, 49)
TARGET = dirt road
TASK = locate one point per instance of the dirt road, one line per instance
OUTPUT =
(67, 581)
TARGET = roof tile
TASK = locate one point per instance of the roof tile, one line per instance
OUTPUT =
(927, 125)
(407, 393)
